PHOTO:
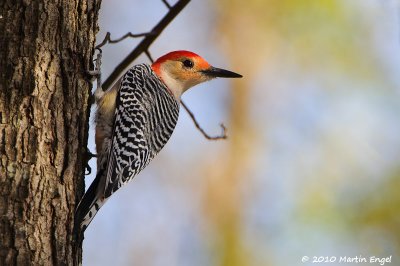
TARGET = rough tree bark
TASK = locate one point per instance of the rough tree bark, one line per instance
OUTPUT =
(45, 48)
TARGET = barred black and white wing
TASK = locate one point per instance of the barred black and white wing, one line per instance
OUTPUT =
(145, 117)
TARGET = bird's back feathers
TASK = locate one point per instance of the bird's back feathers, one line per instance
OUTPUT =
(145, 117)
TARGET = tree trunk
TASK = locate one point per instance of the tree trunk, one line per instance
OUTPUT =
(45, 48)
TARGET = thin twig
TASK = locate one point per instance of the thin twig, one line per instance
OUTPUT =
(149, 56)
(107, 38)
(166, 3)
(145, 43)
(222, 136)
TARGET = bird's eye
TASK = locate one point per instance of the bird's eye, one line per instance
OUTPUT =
(188, 63)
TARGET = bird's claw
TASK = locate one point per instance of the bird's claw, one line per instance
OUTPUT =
(89, 156)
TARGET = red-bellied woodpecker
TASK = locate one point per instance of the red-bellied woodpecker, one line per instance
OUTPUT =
(135, 119)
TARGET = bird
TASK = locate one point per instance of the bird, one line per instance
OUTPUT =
(134, 120)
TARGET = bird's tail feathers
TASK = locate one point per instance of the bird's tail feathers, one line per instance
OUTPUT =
(89, 205)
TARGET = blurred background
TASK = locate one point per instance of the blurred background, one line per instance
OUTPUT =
(312, 163)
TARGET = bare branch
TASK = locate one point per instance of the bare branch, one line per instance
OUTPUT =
(145, 43)
(108, 39)
(149, 56)
(166, 3)
(222, 136)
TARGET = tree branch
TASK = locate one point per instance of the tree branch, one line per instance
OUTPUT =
(145, 43)
(166, 3)
(108, 39)
(222, 136)
(149, 56)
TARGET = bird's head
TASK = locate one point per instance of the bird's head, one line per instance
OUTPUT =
(181, 70)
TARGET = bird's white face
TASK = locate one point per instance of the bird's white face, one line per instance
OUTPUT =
(182, 70)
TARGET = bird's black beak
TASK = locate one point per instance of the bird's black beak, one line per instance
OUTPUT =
(220, 73)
